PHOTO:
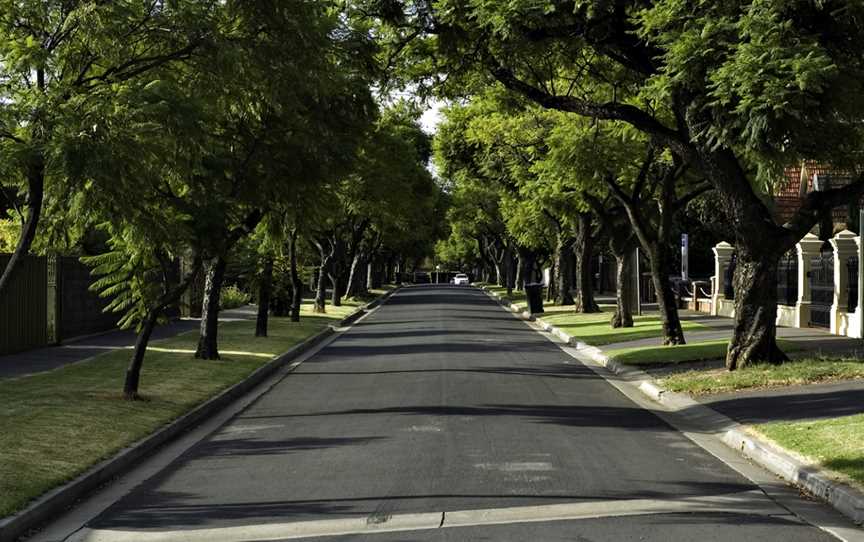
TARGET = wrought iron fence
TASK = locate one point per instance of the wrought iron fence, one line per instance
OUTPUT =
(787, 279)
(728, 276)
(822, 287)
(852, 270)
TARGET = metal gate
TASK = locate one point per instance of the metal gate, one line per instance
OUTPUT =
(729, 278)
(822, 287)
(787, 279)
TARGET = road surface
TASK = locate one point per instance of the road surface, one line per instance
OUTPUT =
(442, 417)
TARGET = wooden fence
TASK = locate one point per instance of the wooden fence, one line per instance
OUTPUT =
(49, 301)
(24, 309)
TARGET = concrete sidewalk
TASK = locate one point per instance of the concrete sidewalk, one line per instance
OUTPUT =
(53, 357)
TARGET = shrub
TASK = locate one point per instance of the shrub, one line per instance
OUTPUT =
(232, 297)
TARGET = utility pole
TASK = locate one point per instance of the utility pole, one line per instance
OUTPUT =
(860, 310)
(637, 272)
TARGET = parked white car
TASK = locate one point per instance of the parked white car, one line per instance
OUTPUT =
(461, 279)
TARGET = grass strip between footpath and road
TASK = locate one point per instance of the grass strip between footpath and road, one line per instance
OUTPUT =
(669, 355)
(836, 444)
(57, 424)
(594, 328)
(792, 373)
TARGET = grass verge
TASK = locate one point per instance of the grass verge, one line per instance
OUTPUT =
(57, 424)
(517, 298)
(791, 373)
(661, 355)
(594, 329)
(836, 444)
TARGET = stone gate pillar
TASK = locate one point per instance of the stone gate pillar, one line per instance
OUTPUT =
(808, 248)
(857, 330)
(845, 247)
(722, 256)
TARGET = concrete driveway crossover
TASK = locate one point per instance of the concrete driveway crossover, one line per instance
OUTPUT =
(441, 417)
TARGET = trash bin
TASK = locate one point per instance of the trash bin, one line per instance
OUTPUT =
(535, 297)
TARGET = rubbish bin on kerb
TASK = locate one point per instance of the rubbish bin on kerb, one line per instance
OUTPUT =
(534, 292)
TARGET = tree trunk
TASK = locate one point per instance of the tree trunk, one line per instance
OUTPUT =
(525, 272)
(519, 281)
(355, 278)
(296, 283)
(208, 339)
(35, 196)
(584, 249)
(509, 271)
(563, 270)
(666, 300)
(623, 316)
(264, 290)
(552, 287)
(754, 340)
(373, 274)
(321, 289)
(336, 272)
(363, 283)
(133, 372)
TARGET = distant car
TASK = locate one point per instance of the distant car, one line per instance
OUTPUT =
(461, 279)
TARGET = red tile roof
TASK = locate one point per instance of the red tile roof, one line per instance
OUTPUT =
(788, 197)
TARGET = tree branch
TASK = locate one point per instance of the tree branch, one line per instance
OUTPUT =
(603, 111)
(683, 201)
(819, 202)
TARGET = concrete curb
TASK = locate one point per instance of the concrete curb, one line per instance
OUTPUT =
(59, 499)
(846, 499)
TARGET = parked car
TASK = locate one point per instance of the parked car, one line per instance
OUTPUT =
(461, 279)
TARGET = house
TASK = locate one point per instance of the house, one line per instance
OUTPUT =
(819, 281)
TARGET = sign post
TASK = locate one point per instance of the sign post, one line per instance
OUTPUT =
(637, 275)
(685, 256)
(861, 272)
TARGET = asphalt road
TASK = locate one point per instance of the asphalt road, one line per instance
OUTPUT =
(444, 414)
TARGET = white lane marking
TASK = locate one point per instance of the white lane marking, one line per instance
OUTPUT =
(230, 432)
(528, 466)
(424, 429)
(751, 503)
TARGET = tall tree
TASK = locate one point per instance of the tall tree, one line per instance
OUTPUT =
(736, 90)
(261, 130)
(59, 61)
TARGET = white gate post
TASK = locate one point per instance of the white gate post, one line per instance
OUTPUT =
(844, 248)
(722, 256)
(808, 248)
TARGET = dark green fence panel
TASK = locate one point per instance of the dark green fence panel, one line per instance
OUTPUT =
(24, 308)
(81, 311)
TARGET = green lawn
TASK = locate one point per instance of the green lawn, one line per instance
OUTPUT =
(517, 297)
(57, 424)
(836, 444)
(699, 351)
(594, 329)
(797, 372)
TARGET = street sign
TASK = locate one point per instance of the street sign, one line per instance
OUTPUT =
(685, 256)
